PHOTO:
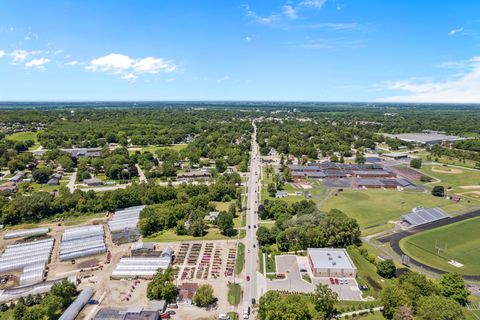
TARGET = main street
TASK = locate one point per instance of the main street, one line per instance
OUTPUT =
(251, 243)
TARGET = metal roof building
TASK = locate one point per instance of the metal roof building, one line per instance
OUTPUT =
(420, 216)
(74, 309)
(327, 262)
(30, 257)
(25, 233)
(143, 267)
(82, 241)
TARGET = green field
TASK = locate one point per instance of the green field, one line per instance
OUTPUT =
(24, 136)
(467, 177)
(460, 240)
(375, 207)
(234, 294)
(152, 149)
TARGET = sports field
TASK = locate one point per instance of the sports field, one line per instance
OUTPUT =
(453, 176)
(458, 241)
(374, 207)
(24, 136)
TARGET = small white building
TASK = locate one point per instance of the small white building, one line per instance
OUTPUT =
(330, 262)
(281, 194)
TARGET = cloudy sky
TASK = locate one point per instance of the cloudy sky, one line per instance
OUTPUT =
(297, 50)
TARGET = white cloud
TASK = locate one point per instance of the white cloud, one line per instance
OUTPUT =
(263, 20)
(313, 3)
(30, 36)
(455, 31)
(129, 68)
(19, 55)
(248, 38)
(72, 63)
(37, 63)
(290, 12)
(463, 88)
(2, 53)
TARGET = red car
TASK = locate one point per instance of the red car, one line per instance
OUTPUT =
(336, 281)
(248, 278)
(332, 281)
(165, 316)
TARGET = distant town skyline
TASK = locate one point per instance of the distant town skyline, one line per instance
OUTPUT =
(303, 50)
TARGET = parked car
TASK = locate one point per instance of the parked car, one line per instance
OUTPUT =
(332, 281)
(248, 278)
(336, 281)
(171, 312)
(165, 316)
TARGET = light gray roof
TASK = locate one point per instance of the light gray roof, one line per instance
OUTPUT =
(424, 137)
(420, 216)
(330, 258)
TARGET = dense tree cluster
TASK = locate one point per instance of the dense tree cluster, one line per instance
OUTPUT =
(186, 211)
(301, 225)
(162, 287)
(412, 294)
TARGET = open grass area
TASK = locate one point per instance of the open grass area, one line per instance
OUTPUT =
(24, 136)
(240, 258)
(425, 155)
(152, 149)
(366, 273)
(213, 233)
(375, 207)
(260, 261)
(270, 263)
(234, 294)
(452, 176)
(459, 241)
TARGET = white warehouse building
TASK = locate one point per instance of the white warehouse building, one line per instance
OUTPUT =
(330, 262)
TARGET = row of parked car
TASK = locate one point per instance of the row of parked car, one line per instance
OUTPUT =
(338, 281)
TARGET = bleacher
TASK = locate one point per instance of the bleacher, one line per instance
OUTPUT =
(420, 216)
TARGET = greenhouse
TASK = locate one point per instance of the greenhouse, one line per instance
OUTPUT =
(82, 241)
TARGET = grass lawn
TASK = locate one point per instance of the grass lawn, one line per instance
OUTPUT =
(171, 236)
(234, 294)
(460, 240)
(260, 261)
(366, 273)
(152, 149)
(24, 136)
(270, 264)
(465, 177)
(233, 316)
(375, 207)
(240, 258)
(424, 155)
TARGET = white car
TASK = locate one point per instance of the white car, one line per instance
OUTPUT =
(343, 281)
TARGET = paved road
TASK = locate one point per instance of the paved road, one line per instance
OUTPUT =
(251, 253)
(141, 175)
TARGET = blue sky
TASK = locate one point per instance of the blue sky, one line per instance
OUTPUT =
(303, 50)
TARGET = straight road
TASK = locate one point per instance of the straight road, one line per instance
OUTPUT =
(251, 243)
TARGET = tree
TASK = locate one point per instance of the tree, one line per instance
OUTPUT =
(452, 286)
(359, 158)
(162, 286)
(274, 306)
(232, 209)
(264, 236)
(221, 165)
(204, 296)
(324, 300)
(19, 311)
(386, 269)
(65, 292)
(404, 313)
(41, 174)
(225, 222)
(438, 191)
(437, 307)
(416, 163)
(271, 189)
(197, 228)
(392, 298)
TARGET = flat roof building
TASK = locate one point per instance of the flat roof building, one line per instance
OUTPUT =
(425, 138)
(330, 262)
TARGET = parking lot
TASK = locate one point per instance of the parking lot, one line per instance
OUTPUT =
(295, 269)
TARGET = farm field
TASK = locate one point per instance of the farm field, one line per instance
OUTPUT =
(460, 240)
(375, 207)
